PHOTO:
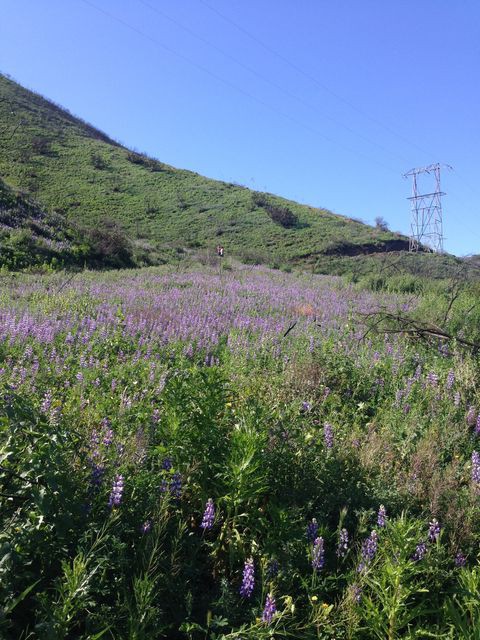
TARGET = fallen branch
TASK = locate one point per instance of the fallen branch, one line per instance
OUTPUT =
(409, 326)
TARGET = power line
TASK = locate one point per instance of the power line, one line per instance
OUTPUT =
(226, 82)
(264, 78)
(327, 89)
(310, 77)
(251, 96)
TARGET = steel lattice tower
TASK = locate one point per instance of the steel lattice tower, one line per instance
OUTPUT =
(426, 228)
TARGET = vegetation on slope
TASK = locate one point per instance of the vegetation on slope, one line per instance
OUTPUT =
(170, 465)
(30, 237)
(76, 170)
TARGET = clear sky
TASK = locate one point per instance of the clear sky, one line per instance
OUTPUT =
(327, 102)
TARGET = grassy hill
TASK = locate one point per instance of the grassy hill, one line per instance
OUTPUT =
(30, 237)
(72, 168)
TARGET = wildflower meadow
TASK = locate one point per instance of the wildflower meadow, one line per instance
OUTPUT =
(236, 453)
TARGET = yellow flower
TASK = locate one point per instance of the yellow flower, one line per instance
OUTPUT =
(324, 605)
(314, 598)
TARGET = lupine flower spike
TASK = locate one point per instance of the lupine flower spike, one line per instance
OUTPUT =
(328, 435)
(342, 546)
(381, 516)
(420, 552)
(369, 550)
(117, 491)
(269, 610)
(476, 469)
(208, 516)
(176, 485)
(272, 569)
(248, 581)
(146, 526)
(312, 529)
(434, 530)
(318, 554)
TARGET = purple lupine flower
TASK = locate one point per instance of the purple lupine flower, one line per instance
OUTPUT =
(306, 406)
(156, 416)
(318, 554)
(108, 433)
(420, 551)
(381, 516)
(450, 379)
(108, 437)
(456, 398)
(272, 569)
(97, 474)
(477, 426)
(167, 464)
(269, 610)
(328, 435)
(164, 485)
(460, 560)
(146, 526)
(471, 416)
(434, 530)
(312, 530)
(369, 550)
(342, 546)
(117, 491)
(432, 379)
(209, 515)
(248, 580)
(46, 402)
(476, 468)
(176, 485)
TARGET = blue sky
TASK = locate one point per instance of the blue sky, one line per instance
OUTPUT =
(325, 102)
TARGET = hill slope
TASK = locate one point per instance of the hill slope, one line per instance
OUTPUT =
(78, 171)
(30, 237)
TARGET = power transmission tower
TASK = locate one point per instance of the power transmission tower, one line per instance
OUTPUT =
(426, 228)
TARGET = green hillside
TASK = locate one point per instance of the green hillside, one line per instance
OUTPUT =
(30, 237)
(72, 168)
